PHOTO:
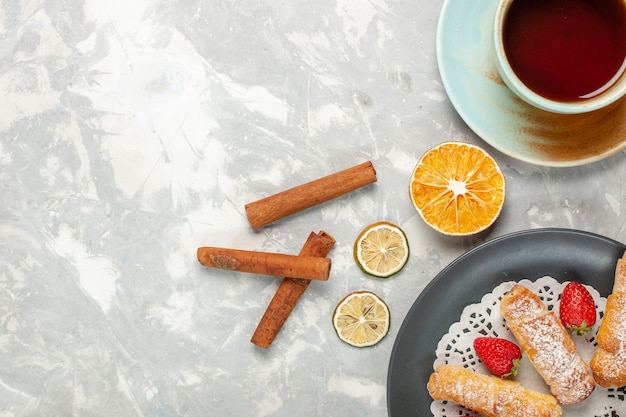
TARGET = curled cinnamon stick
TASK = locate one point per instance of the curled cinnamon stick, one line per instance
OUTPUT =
(266, 263)
(293, 200)
(289, 292)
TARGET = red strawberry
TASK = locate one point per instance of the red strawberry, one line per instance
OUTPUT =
(500, 356)
(578, 310)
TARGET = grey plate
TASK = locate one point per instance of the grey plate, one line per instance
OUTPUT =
(566, 255)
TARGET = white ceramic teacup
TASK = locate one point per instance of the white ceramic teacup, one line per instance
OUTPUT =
(615, 90)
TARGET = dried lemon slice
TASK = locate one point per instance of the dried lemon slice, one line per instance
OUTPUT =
(381, 249)
(361, 319)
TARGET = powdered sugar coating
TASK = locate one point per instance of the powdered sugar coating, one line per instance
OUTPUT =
(547, 345)
(484, 319)
(609, 361)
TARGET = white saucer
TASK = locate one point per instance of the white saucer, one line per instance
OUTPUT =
(493, 112)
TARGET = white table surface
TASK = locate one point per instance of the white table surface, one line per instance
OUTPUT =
(133, 132)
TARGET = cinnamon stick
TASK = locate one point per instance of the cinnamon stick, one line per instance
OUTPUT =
(294, 200)
(289, 292)
(266, 263)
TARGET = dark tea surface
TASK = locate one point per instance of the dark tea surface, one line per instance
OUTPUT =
(566, 50)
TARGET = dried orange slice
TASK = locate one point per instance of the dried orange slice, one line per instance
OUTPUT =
(457, 188)
(361, 319)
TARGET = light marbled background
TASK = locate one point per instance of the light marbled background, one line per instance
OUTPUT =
(132, 132)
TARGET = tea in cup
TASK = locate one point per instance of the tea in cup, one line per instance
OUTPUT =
(562, 56)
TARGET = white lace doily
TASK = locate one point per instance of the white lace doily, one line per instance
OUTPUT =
(484, 319)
